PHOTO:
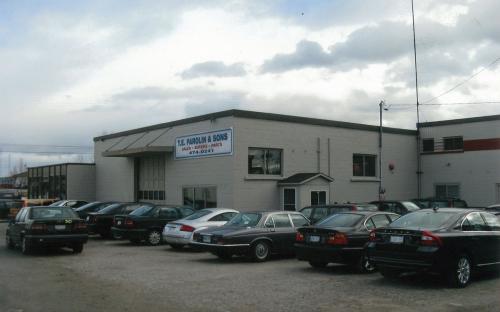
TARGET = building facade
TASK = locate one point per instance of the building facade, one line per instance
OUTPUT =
(461, 158)
(248, 160)
(62, 181)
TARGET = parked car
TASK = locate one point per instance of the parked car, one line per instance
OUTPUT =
(46, 226)
(340, 238)
(255, 234)
(316, 213)
(494, 209)
(69, 203)
(7, 204)
(180, 233)
(146, 223)
(440, 202)
(84, 210)
(399, 207)
(453, 242)
(100, 222)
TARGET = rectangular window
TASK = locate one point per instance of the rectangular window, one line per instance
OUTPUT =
(447, 190)
(318, 198)
(363, 165)
(453, 143)
(151, 178)
(289, 199)
(264, 161)
(200, 197)
(428, 145)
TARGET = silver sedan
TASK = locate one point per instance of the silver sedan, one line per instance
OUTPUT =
(180, 233)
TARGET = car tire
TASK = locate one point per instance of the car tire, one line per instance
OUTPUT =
(154, 238)
(261, 251)
(318, 264)
(364, 265)
(177, 246)
(77, 248)
(390, 273)
(26, 247)
(8, 242)
(459, 275)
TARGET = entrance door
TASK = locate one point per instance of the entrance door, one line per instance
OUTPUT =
(289, 199)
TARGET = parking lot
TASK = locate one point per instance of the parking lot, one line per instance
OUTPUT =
(119, 276)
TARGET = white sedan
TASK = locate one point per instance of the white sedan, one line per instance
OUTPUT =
(180, 233)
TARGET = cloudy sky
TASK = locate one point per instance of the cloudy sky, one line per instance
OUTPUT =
(72, 70)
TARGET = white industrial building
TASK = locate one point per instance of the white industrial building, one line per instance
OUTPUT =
(249, 160)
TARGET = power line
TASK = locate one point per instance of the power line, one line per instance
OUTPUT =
(463, 82)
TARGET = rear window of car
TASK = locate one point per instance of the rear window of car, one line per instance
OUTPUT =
(110, 208)
(52, 213)
(198, 214)
(341, 220)
(428, 219)
(410, 206)
(366, 207)
(142, 211)
(245, 219)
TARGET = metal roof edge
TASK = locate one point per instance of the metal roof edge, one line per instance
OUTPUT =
(259, 115)
(459, 121)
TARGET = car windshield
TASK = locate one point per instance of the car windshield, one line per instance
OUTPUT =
(198, 214)
(410, 206)
(426, 219)
(142, 211)
(110, 208)
(57, 203)
(87, 206)
(245, 219)
(366, 207)
(341, 220)
(52, 213)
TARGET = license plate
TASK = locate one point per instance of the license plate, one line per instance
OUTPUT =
(119, 223)
(314, 239)
(397, 239)
(60, 227)
(207, 239)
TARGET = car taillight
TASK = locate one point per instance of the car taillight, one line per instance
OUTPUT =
(38, 227)
(429, 239)
(337, 239)
(299, 237)
(129, 222)
(354, 208)
(373, 236)
(186, 228)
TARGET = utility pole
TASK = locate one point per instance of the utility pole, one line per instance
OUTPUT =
(381, 190)
(419, 159)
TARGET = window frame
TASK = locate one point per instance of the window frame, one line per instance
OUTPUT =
(454, 146)
(294, 198)
(265, 165)
(319, 197)
(429, 141)
(364, 174)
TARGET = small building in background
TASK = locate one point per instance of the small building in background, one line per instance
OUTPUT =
(62, 181)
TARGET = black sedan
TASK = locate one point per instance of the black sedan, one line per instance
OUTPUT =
(46, 226)
(255, 234)
(400, 207)
(340, 238)
(453, 242)
(101, 222)
(147, 222)
(84, 210)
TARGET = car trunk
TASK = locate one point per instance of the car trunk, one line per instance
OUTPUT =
(323, 236)
(58, 226)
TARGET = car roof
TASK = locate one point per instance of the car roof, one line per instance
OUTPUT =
(449, 209)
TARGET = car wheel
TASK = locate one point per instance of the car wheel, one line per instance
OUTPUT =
(460, 273)
(365, 265)
(154, 238)
(260, 251)
(390, 273)
(25, 246)
(8, 242)
(318, 264)
(77, 248)
(176, 246)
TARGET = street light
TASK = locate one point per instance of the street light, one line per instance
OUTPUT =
(381, 190)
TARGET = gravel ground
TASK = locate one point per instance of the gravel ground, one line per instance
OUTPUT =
(119, 276)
